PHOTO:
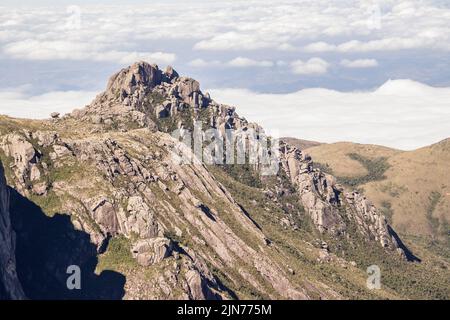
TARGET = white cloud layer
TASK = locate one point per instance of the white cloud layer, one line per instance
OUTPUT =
(68, 50)
(238, 62)
(359, 63)
(241, 62)
(201, 63)
(287, 44)
(239, 33)
(312, 66)
(401, 114)
(17, 103)
(361, 26)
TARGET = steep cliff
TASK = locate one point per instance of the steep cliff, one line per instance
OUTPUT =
(166, 101)
(193, 230)
(10, 287)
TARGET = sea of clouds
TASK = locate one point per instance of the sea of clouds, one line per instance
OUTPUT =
(401, 114)
(261, 55)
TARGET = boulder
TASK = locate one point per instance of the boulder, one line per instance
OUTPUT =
(187, 87)
(170, 73)
(35, 174)
(104, 214)
(45, 138)
(61, 151)
(141, 219)
(40, 189)
(195, 284)
(151, 251)
(23, 154)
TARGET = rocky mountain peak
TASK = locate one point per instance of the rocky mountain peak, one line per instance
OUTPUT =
(139, 75)
(142, 94)
(145, 96)
(203, 231)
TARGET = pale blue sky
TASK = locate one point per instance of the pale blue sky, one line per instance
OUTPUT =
(278, 34)
(257, 45)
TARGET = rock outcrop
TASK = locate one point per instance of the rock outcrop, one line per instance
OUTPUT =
(151, 251)
(10, 287)
(142, 93)
(326, 202)
(110, 167)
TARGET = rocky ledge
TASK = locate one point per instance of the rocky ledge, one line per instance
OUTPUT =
(108, 166)
(130, 92)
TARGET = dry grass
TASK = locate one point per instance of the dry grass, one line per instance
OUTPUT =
(411, 180)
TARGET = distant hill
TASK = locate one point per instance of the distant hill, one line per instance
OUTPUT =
(411, 188)
(299, 143)
(102, 188)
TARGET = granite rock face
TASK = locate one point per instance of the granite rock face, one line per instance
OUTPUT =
(326, 202)
(10, 287)
(133, 89)
(110, 167)
(151, 251)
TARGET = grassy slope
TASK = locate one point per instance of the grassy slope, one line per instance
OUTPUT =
(301, 144)
(427, 280)
(292, 248)
(415, 188)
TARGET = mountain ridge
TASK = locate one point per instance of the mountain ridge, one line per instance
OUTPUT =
(410, 178)
(183, 231)
(130, 85)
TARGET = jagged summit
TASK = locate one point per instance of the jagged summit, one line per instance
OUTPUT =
(200, 232)
(142, 95)
(139, 74)
(141, 77)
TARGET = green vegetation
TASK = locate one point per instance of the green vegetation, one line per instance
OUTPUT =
(410, 280)
(324, 167)
(399, 278)
(375, 167)
(393, 189)
(156, 97)
(434, 199)
(6, 162)
(433, 246)
(273, 204)
(117, 255)
(50, 204)
(387, 211)
(290, 245)
(243, 173)
(66, 172)
(440, 230)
